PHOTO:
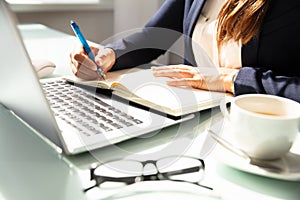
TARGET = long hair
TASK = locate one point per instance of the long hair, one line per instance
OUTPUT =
(240, 20)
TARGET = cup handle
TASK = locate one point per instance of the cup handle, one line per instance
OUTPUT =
(223, 107)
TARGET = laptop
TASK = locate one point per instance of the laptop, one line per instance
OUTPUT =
(75, 119)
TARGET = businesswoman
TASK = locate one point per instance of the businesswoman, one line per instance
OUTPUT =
(253, 45)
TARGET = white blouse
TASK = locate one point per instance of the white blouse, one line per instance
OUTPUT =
(205, 44)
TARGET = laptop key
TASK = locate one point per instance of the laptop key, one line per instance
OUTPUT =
(83, 111)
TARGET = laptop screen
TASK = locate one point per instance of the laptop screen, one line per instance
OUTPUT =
(19, 85)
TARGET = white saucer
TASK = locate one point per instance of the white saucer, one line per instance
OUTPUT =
(290, 163)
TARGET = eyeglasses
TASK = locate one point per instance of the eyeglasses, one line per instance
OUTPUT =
(125, 172)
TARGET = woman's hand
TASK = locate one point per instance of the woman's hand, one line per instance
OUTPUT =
(83, 67)
(213, 79)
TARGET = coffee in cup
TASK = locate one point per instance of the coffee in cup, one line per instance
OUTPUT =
(264, 126)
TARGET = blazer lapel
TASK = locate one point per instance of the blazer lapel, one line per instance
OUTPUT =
(193, 16)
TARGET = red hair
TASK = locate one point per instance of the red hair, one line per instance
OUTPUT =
(240, 20)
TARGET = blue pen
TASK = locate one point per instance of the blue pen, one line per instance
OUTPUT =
(86, 46)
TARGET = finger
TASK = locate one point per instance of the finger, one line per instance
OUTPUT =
(169, 67)
(95, 50)
(85, 76)
(82, 71)
(106, 59)
(105, 65)
(173, 73)
(74, 69)
(187, 82)
(86, 73)
(76, 50)
(83, 60)
(79, 57)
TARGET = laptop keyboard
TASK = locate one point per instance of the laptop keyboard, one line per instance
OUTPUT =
(81, 110)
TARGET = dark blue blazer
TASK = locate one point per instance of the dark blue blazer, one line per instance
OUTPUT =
(269, 61)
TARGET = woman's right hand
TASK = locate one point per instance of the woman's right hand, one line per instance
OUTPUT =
(83, 67)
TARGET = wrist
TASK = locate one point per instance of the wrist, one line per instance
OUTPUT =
(229, 82)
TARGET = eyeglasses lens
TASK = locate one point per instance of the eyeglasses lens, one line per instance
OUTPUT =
(120, 169)
(181, 168)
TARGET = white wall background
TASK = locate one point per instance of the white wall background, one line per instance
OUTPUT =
(130, 14)
(98, 24)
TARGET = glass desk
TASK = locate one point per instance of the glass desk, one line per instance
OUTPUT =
(31, 167)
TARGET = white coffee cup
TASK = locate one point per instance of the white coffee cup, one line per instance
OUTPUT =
(264, 126)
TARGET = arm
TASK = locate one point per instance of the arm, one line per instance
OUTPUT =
(266, 81)
(155, 39)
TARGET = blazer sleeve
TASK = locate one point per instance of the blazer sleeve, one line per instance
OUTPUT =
(266, 81)
(158, 35)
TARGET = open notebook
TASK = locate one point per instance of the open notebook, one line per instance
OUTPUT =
(140, 86)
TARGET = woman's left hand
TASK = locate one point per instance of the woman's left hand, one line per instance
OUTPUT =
(213, 79)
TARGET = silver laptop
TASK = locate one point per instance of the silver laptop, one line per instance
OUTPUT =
(75, 119)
